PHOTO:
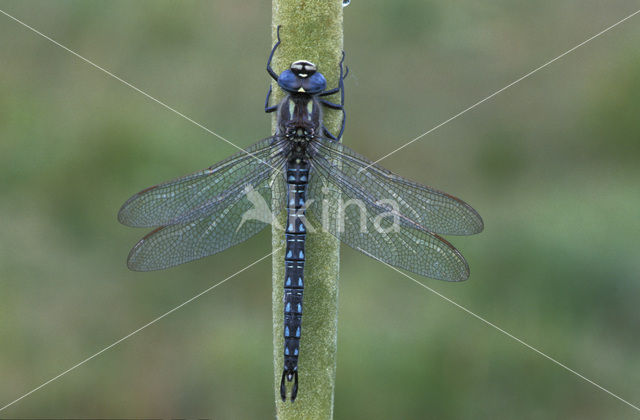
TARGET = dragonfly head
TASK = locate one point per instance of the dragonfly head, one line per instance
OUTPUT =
(302, 77)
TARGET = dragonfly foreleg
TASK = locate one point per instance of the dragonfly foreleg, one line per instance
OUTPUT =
(268, 108)
(272, 73)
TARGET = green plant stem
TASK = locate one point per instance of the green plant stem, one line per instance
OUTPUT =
(311, 30)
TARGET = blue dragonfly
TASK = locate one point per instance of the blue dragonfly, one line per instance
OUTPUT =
(305, 170)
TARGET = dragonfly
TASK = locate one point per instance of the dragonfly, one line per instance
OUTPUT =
(303, 170)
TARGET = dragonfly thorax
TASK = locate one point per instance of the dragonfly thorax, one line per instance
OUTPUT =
(299, 117)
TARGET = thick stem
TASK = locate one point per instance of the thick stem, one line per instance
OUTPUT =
(311, 30)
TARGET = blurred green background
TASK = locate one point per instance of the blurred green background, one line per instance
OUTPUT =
(551, 164)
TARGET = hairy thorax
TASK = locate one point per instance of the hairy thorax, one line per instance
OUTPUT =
(300, 118)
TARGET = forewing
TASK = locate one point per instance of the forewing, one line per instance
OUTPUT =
(197, 195)
(339, 204)
(434, 210)
(240, 218)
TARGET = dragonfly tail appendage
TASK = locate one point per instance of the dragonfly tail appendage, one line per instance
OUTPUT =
(289, 376)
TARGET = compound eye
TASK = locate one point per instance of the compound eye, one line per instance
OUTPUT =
(303, 68)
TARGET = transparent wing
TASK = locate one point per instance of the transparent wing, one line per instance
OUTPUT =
(194, 196)
(240, 218)
(344, 206)
(435, 210)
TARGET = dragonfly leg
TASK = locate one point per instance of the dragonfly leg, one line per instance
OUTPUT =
(339, 136)
(330, 91)
(268, 108)
(273, 50)
(330, 104)
(328, 134)
(336, 89)
(344, 121)
(339, 106)
(340, 87)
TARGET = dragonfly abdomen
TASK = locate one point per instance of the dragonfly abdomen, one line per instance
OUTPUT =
(297, 171)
